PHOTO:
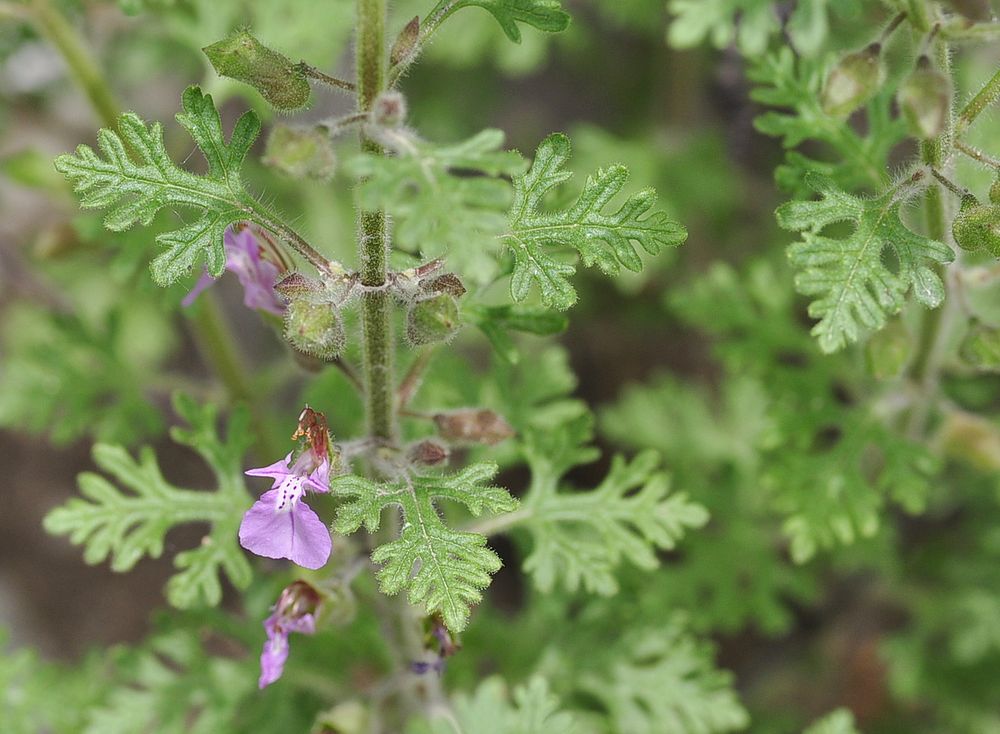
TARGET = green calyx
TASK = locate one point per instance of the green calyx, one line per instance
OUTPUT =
(853, 81)
(242, 57)
(300, 153)
(977, 226)
(431, 320)
(314, 328)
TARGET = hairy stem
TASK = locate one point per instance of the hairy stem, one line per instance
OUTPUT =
(936, 325)
(314, 73)
(373, 236)
(215, 343)
(975, 106)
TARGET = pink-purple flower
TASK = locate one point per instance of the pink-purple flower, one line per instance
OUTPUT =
(256, 274)
(294, 612)
(280, 524)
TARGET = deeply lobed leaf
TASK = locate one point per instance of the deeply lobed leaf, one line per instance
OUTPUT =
(545, 15)
(443, 569)
(856, 288)
(580, 538)
(133, 177)
(602, 239)
(129, 525)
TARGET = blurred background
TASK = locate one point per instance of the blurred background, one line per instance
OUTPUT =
(800, 639)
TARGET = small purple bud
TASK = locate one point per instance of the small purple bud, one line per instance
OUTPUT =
(389, 109)
(446, 283)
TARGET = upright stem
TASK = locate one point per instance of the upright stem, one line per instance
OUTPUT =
(936, 325)
(81, 64)
(373, 236)
(207, 324)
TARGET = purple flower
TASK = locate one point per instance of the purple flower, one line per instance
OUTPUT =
(256, 275)
(292, 613)
(280, 524)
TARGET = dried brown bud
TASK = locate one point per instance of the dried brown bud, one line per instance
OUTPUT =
(428, 453)
(447, 283)
(405, 42)
(473, 425)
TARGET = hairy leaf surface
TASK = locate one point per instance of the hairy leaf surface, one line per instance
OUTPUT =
(856, 288)
(128, 525)
(606, 240)
(443, 569)
(133, 177)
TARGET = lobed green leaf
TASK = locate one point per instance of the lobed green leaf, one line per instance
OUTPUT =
(602, 239)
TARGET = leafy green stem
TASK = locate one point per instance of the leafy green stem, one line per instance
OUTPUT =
(81, 63)
(979, 102)
(373, 241)
(936, 324)
(207, 323)
(215, 343)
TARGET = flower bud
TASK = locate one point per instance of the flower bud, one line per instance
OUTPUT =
(924, 99)
(405, 43)
(314, 328)
(981, 348)
(977, 226)
(244, 58)
(853, 81)
(428, 453)
(297, 285)
(447, 283)
(432, 319)
(300, 152)
(971, 439)
(389, 109)
(349, 717)
(472, 425)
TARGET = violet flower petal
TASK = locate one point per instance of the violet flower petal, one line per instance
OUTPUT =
(296, 534)
(275, 652)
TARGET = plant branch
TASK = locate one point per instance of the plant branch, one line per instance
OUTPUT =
(313, 73)
(411, 381)
(936, 325)
(88, 75)
(373, 236)
(978, 155)
(207, 323)
(975, 106)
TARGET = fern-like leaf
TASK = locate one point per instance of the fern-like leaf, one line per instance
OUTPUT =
(665, 681)
(128, 525)
(134, 178)
(581, 537)
(545, 15)
(443, 569)
(856, 289)
(602, 239)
